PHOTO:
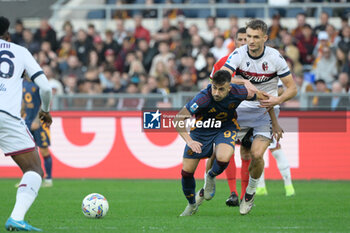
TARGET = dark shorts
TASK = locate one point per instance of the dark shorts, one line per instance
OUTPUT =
(42, 137)
(208, 138)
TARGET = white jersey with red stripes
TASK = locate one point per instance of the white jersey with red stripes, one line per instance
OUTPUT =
(263, 71)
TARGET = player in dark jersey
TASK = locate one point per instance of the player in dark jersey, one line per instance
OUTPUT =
(214, 107)
(41, 133)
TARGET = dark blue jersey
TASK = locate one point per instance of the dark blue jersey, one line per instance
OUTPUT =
(204, 107)
(31, 100)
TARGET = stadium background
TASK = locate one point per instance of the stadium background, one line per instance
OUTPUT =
(97, 127)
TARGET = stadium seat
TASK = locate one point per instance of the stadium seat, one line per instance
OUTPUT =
(203, 13)
(292, 12)
(96, 14)
(111, 2)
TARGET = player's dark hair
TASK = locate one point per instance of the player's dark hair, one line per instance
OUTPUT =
(256, 24)
(221, 77)
(4, 25)
(241, 30)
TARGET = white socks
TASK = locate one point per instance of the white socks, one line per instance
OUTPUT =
(252, 184)
(261, 183)
(283, 166)
(26, 194)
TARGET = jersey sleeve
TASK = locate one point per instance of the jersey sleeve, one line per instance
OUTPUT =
(282, 67)
(199, 102)
(239, 91)
(233, 60)
(31, 66)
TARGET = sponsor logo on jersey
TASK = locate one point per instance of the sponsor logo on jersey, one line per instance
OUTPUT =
(248, 63)
(212, 110)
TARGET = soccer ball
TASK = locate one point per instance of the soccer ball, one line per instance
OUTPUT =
(95, 206)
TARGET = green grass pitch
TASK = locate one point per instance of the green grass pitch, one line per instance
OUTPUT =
(154, 206)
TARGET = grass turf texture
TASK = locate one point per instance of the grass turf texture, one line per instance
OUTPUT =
(154, 206)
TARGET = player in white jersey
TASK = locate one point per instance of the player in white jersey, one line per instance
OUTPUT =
(15, 139)
(281, 159)
(262, 66)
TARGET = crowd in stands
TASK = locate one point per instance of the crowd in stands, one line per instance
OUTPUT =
(178, 58)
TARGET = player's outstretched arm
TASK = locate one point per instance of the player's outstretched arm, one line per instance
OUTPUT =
(181, 129)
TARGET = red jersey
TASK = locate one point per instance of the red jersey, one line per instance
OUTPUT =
(218, 65)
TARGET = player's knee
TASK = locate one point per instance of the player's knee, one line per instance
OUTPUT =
(185, 174)
(256, 155)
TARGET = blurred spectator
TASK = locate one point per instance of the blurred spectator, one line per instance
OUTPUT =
(233, 21)
(106, 79)
(321, 101)
(57, 87)
(110, 60)
(93, 61)
(274, 30)
(51, 55)
(326, 68)
(346, 67)
(344, 23)
(70, 84)
(292, 52)
(171, 13)
(219, 50)
(344, 45)
(306, 45)
(338, 102)
(196, 44)
(187, 83)
(127, 47)
(164, 55)
(229, 42)
(344, 81)
(176, 45)
(82, 46)
(298, 31)
(121, 14)
(173, 71)
(74, 68)
(324, 22)
(323, 42)
(334, 38)
(201, 59)
(68, 32)
(120, 32)
(110, 43)
(91, 32)
(302, 85)
(149, 13)
(163, 33)
(146, 53)
(140, 31)
(99, 47)
(17, 36)
(29, 42)
(65, 50)
(185, 35)
(208, 34)
(46, 33)
(136, 68)
(205, 72)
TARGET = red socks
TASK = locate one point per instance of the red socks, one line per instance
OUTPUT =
(244, 176)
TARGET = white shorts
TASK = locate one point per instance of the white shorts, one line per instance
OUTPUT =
(255, 118)
(15, 137)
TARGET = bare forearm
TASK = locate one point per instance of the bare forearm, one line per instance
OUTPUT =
(288, 94)
(273, 116)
